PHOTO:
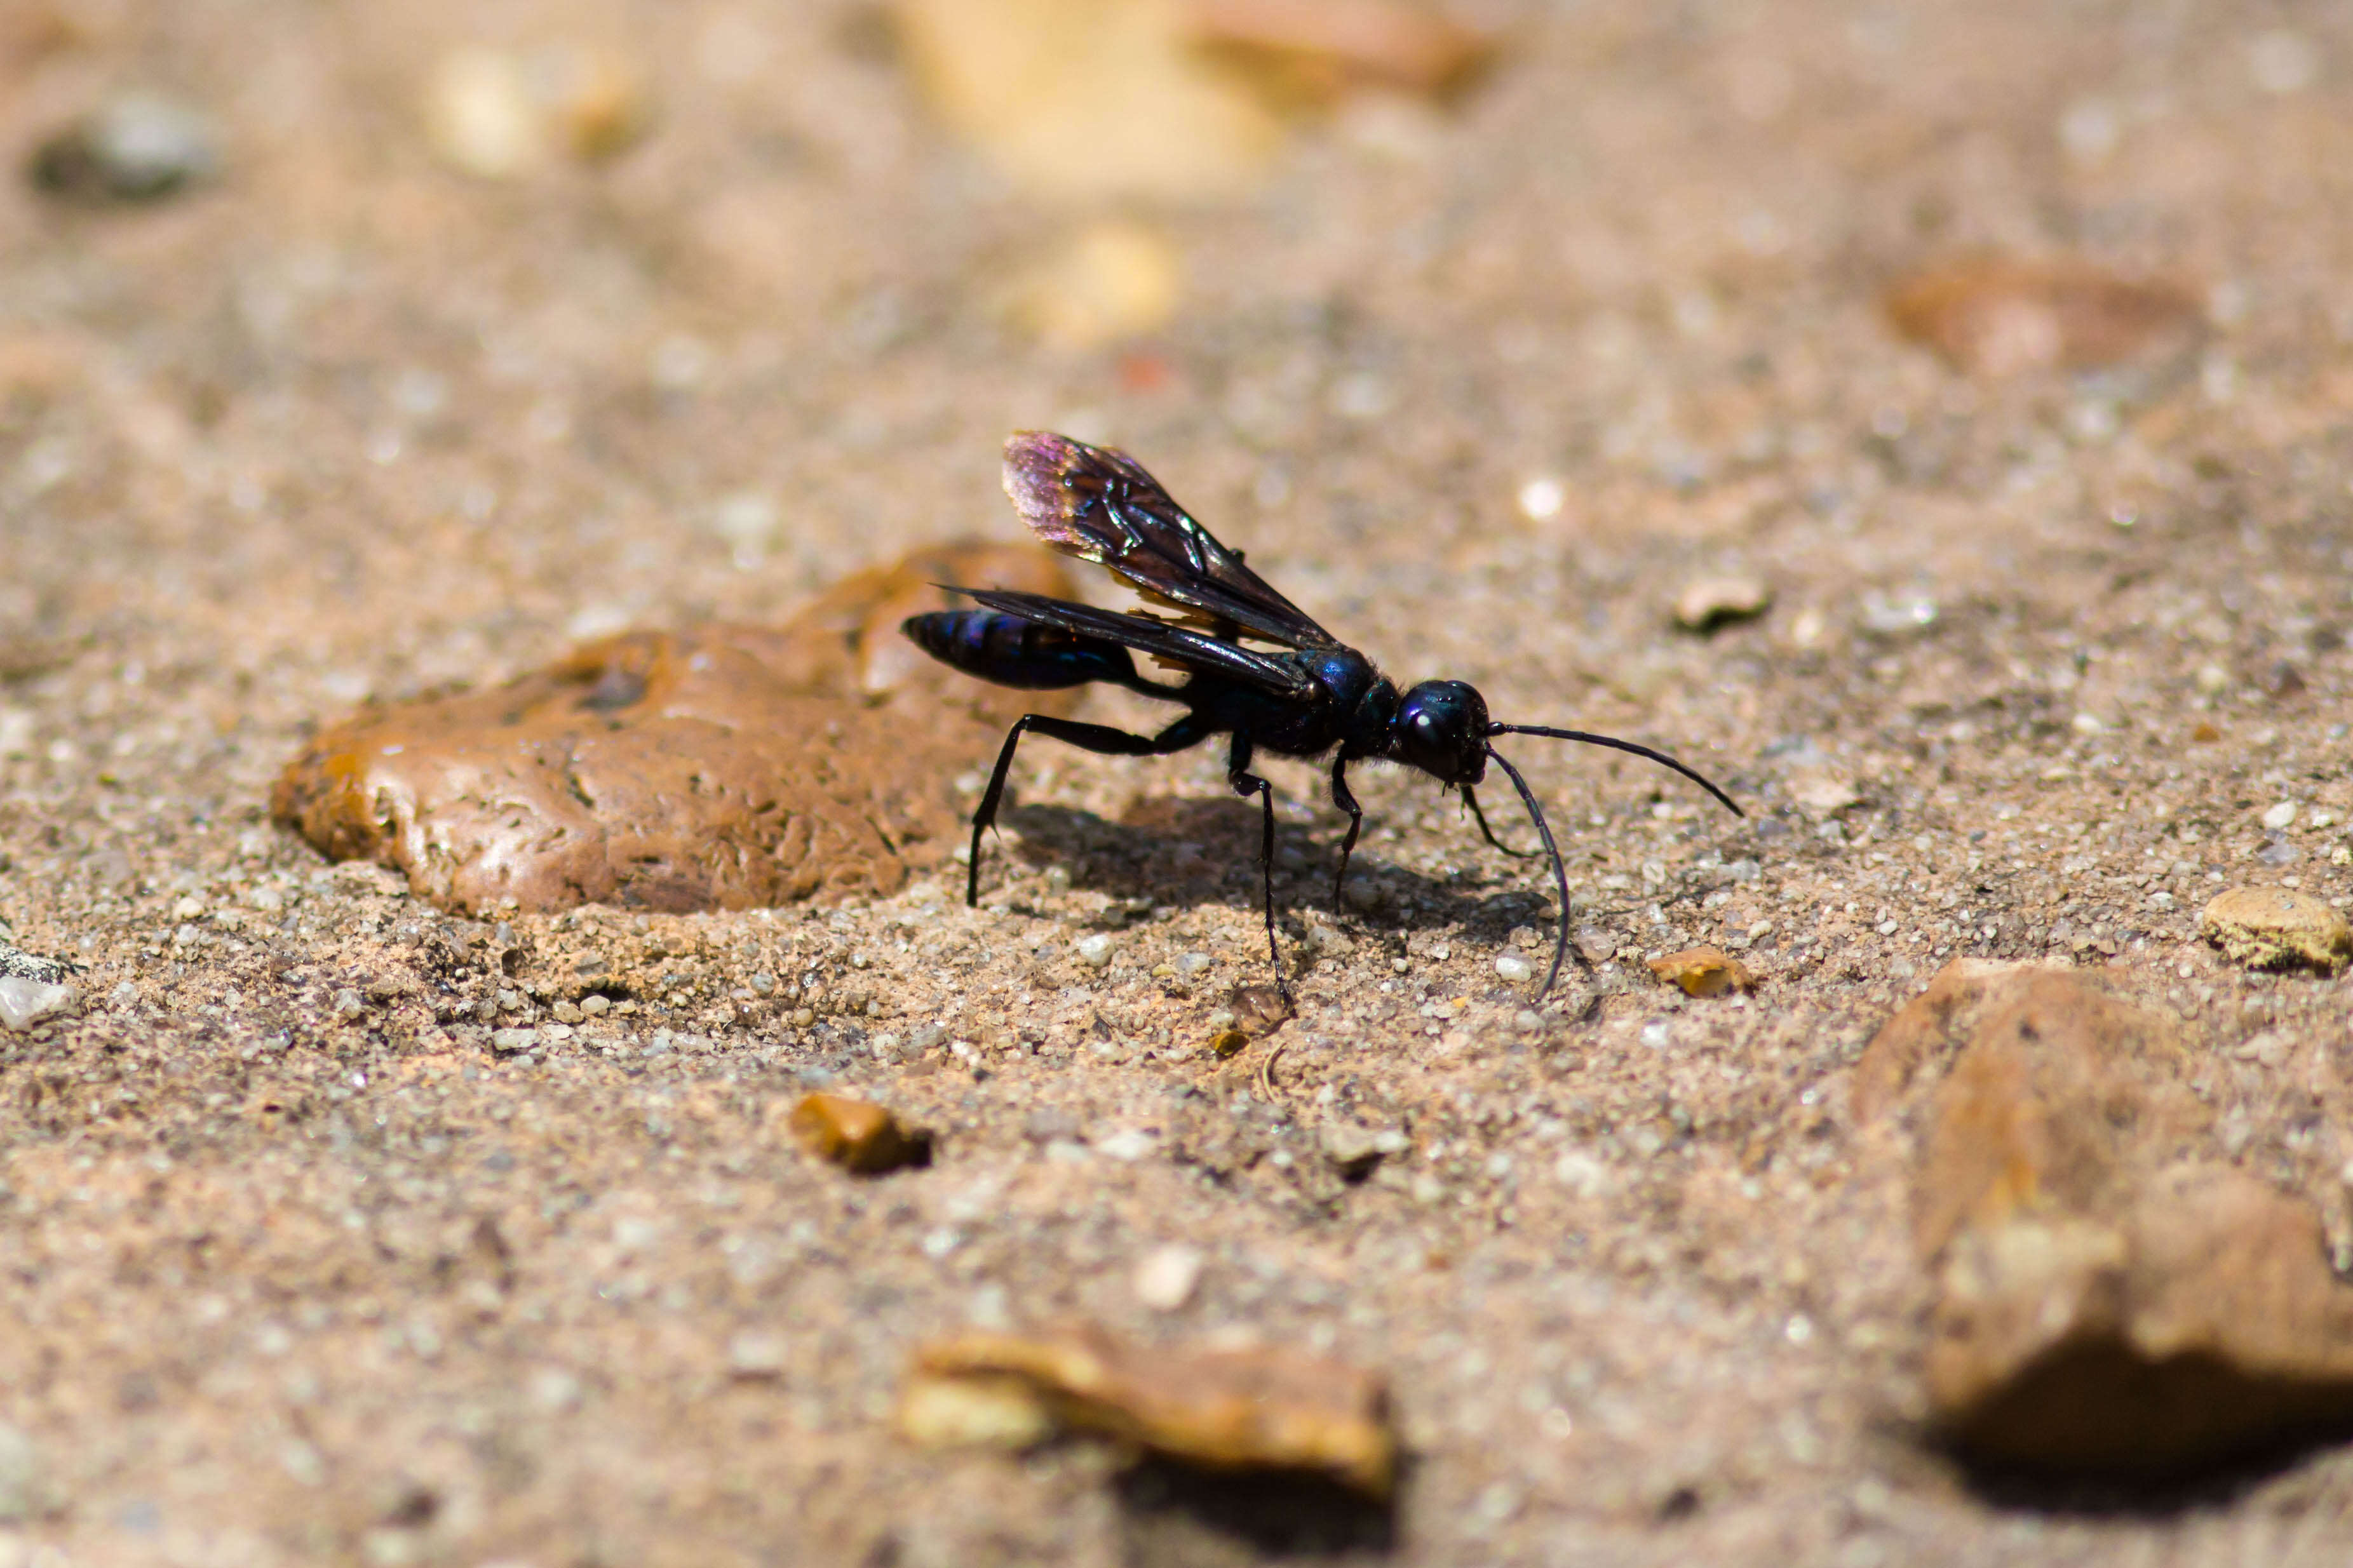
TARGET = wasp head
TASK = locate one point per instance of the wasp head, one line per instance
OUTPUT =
(1442, 728)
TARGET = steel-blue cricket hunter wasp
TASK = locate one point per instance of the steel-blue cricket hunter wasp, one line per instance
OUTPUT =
(1305, 695)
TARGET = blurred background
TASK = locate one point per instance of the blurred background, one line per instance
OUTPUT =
(360, 337)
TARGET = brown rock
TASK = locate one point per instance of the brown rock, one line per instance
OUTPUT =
(1227, 1409)
(1934, 1023)
(2106, 1300)
(2063, 1097)
(858, 1134)
(2202, 1322)
(2275, 928)
(730, 767)
(1703, 972)
(1996, 317)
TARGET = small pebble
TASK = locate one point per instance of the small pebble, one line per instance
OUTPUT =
(513, 1042)
(21, 1486)
(1166, 1278)
(2280, 816)
(1542, 498)
(1256, 1010)
(1995, 316)
(1891, 614)
(347, 1004)
(757, 1353)
(1095, 952)
(1703, 972)
(595, 1006)
(2274, 928)
(1355, 1149)
(499, 114)
(135, 148)
(26, 1001)
(1128, 1145)
(857, 1135)
(568, 1013)
(1512, 966)
(1115, 278)
(1192, 963)
(1713, 602)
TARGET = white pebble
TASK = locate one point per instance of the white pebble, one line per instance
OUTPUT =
(25, 1003)
(1512, 966)
(2281, 815)
(1541, 499)
(1095, 951)
(2281, 62)
(1130, 1145)
(756, 1354)
(1165, 1278)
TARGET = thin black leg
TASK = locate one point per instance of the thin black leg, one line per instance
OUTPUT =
(1246, 784)
(1346, 801)
(1470, 799)
(1101, 739)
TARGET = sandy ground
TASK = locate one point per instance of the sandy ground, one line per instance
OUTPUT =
(299, 1269)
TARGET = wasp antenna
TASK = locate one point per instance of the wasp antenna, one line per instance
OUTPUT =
(1559, 870)
(1614, 743)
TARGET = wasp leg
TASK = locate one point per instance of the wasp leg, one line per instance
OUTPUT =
(1472, 801)
(1246, 784)
(1342, 797)
(1097, 738)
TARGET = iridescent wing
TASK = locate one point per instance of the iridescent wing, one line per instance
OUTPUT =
(1097, 503)
(1179, 646)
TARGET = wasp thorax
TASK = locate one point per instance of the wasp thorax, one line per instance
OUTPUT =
(1441, 729)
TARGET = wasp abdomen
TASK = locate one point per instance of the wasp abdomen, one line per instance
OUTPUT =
(1009, 651)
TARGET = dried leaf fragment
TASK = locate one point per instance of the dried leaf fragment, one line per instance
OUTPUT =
(1996, 317)
(1318, 48)
(858, 1134)
(1703, 972)
(1088, 100)
(973, 1412)
(1225, 1409)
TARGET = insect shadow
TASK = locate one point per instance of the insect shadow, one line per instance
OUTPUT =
(1167, 848)
(1172, 1514)
(2161, 1492)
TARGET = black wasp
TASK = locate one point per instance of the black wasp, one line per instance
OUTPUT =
(1307, 694)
